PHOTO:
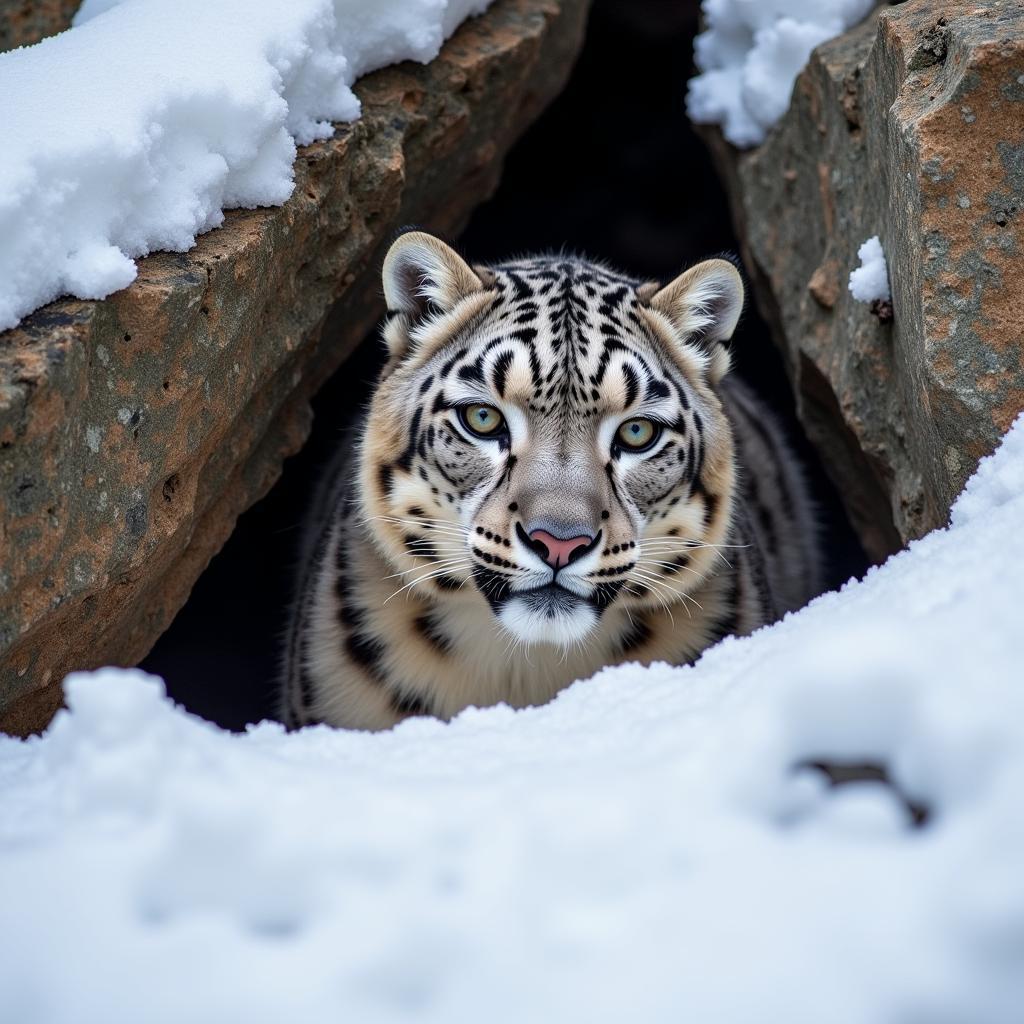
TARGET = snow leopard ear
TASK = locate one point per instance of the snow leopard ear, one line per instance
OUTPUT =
(423, 277)
(703, 305)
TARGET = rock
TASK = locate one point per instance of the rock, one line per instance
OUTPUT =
(134, 431)
(910, 127)
(23, 22)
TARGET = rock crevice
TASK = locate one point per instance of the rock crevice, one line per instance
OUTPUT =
(134, 431)
(911, 127)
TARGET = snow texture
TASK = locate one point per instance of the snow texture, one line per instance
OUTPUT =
(870, 281)
(134, 130)
(648, 847)
(750, 54)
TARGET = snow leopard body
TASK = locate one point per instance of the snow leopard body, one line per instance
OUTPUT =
(458, 559)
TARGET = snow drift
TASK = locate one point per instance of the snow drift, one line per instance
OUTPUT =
(135, 129)
(654, 845)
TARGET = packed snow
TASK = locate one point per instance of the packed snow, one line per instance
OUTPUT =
(750, 54)
(134, 130)
(870, 281)
(651, 846)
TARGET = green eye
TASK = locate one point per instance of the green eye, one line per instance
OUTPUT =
(637, 435)
(482, 420)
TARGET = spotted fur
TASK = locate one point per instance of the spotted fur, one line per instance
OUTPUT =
(422, 591)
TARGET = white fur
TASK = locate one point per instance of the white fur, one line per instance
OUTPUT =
(421, 262)
(563, 629)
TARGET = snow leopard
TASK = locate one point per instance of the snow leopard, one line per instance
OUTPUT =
(555, 474)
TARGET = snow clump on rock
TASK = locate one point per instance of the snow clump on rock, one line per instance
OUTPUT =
(750, 54)
(134, 130)
(870, 281)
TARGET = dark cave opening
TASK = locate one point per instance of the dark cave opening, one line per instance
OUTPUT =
(612, 169)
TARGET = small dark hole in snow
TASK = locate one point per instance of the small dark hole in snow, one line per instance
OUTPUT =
(842, 773)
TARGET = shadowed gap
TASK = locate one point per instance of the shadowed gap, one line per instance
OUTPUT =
(612, 169)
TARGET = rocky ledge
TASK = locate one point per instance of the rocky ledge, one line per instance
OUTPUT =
(910, 127)
(134, 431)
(23, 22)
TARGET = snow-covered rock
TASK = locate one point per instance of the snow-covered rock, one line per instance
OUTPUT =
(133, 131)
(134, 430)
(870, 281)
(750, 54)
(909, 126)
(651, 846)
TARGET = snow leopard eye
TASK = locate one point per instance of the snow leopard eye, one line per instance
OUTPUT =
(482, 420)
(637, 435)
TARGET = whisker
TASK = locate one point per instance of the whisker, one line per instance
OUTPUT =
(652, 582)
(659, 548)
(441, 527)
(670, 565)
(681, 594)
(650, 578)
(434, 562)
(674, 544)
(426, 576)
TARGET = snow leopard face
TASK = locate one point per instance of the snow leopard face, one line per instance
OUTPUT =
(547, 438)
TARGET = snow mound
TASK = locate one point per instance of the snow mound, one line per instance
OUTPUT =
(654, 845)
(134, 130)
(870, 281)
(749, 57)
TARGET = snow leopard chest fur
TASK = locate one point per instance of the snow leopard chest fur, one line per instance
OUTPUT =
(554, 475)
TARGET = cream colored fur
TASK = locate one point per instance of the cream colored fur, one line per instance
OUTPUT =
(425, 590)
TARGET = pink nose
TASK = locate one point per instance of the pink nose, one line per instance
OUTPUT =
(557, 552)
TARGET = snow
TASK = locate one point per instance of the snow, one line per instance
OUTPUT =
(134, 130)
(646, 847)
(750, 54)
(870, 281)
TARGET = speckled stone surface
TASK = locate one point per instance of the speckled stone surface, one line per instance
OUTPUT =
(134, 431)
(910, 127)
(23, 22)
